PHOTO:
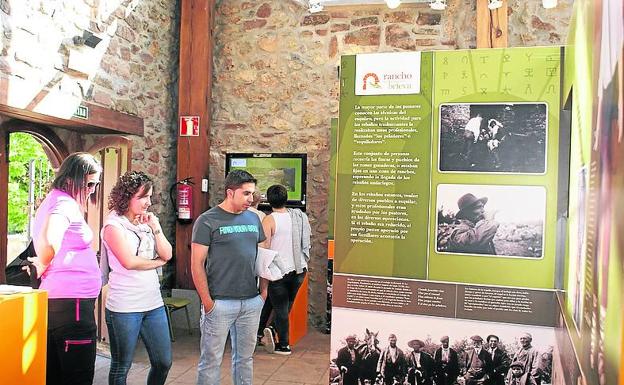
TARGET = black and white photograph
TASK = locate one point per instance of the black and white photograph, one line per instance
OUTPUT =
(492, 220)
(378, 348)
(496, 138)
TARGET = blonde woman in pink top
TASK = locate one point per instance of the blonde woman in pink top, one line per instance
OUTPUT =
(69, 270)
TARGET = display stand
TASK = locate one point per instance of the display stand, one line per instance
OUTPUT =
(298, 317)
(23, 331)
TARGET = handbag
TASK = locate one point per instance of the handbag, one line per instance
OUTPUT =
(16, 275)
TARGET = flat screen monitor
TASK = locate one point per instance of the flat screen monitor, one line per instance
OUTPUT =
(269, 169)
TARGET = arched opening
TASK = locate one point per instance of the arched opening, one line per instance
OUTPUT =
(30, 174)
(32, 152)
(52, 145)
(78, 133)
(113, 152)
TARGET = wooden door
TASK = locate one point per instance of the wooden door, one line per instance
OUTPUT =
(115, 156)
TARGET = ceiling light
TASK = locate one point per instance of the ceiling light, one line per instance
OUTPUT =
(549, 4)
(392, 4)
(315, 6)
(494, 4)
(438, 5)
(88, 38)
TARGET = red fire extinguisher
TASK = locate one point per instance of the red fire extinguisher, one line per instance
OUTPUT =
(184, 200)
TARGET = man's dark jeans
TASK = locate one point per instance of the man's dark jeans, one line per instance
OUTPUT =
(281, 297)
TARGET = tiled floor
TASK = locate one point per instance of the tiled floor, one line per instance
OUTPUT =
(307, 365)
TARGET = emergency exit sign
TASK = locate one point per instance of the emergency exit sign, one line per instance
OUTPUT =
(82, 112)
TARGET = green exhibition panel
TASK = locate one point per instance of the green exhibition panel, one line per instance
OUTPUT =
(405, 160)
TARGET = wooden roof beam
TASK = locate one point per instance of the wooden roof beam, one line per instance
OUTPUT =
(100, 120)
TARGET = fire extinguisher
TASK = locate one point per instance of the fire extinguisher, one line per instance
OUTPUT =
(184, 199)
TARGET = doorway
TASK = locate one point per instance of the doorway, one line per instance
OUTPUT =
(28, 143)
(113, 151)
(30, 174)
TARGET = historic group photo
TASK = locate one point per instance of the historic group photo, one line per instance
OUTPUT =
(421, 350)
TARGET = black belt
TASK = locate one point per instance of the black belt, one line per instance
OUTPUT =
(294, 272)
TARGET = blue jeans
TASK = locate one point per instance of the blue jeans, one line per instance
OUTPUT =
(240, 318)
(124, 330)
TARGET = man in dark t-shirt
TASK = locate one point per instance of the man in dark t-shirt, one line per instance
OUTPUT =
(223, 255)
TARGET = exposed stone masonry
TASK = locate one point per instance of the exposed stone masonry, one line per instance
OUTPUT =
(134, 71)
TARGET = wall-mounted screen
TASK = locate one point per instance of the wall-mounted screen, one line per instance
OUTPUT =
(269, 169)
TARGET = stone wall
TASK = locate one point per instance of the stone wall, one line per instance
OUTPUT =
(531, 25)
(132, 70)
(275, 85)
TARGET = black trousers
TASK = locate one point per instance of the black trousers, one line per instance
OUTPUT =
(71, 341)
(281, 296)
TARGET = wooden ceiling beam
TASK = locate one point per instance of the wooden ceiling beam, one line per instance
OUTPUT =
(100, 120)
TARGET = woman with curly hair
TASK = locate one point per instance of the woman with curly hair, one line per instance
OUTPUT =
(69, 270)
(135, 247)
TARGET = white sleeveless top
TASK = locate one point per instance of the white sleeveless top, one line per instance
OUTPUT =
(132, 290)
(282, 241)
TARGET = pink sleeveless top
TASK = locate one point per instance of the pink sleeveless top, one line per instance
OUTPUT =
(74, 271)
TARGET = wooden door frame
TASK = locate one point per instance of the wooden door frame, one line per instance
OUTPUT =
(101, 120)
(54, 148)
(114, 141)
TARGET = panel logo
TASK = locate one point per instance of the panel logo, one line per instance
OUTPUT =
(370, 80)
(387, 74)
